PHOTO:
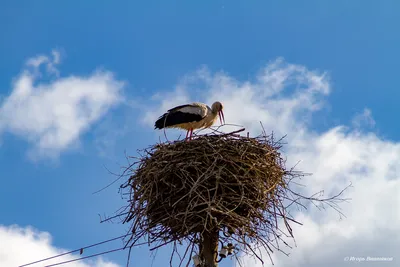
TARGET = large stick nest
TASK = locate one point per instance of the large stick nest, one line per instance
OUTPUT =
(231, 183)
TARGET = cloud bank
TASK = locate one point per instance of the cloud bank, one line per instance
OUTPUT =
(285, 97)
(20, 246)
(52, 112)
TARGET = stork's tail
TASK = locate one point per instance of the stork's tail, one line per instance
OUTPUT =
(161, 122)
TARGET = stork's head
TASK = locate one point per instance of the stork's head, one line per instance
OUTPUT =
(217, 107)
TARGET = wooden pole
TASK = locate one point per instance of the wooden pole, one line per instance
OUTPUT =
(209, 248)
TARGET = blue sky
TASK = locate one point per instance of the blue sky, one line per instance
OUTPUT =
(139, 50)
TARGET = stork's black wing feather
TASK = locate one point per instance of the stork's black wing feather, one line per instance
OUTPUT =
(177, 117)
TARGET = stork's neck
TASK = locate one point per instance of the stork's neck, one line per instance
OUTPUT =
(214, 111)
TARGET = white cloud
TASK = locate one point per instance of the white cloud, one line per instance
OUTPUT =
(52, 114)
(39, 60)
(247, 103)
(364, 119)
(20, 246)
(284, 98)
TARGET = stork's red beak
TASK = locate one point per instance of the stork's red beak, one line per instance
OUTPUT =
(221, 117)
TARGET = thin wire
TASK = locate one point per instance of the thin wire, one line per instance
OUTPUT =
(90, 256)
(76, 250)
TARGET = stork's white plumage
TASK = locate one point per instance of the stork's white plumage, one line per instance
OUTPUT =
(190, 117)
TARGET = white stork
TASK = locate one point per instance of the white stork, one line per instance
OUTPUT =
(191, 116)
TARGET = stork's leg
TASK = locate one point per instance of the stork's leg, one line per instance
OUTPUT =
(188, 135)
(191, 133)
